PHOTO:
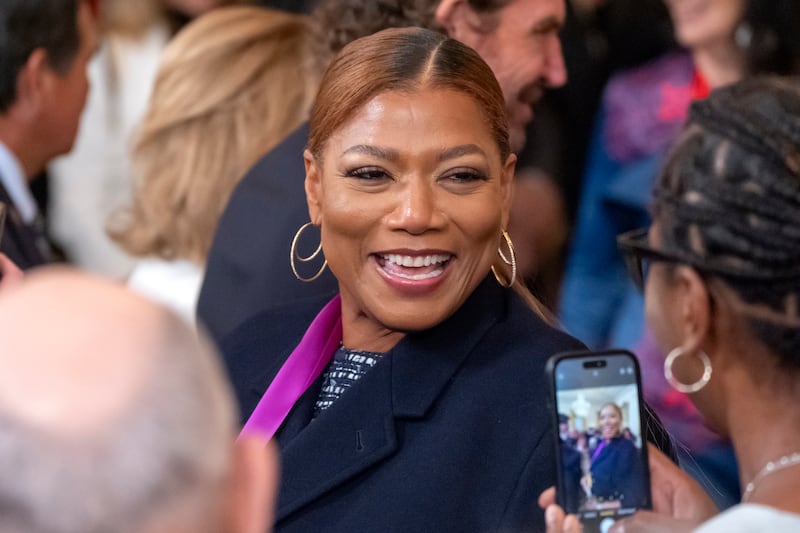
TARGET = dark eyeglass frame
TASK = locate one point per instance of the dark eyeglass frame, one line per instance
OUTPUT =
(637, 254)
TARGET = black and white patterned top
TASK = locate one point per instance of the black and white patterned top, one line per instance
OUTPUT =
(346, 367)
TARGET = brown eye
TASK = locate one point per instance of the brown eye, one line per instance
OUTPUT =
(368, 173)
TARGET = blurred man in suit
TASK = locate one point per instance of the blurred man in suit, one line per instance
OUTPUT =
(118, 418)
(44, 50)
(248, 267)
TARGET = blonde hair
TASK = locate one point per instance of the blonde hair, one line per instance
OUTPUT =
(133, 18)
(231, 85)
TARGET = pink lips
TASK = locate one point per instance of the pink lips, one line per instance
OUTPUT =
(413, 272)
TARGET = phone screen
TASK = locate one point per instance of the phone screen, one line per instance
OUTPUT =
(603, 472)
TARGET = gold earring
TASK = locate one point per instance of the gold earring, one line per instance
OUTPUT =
(293, 253)
(509, 261)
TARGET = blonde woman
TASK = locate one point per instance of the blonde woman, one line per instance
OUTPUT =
(230, 86)
(94, 179)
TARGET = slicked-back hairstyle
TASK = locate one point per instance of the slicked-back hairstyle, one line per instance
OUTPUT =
(230, 86)
(27, 25)
(403, 59)
(728, 203)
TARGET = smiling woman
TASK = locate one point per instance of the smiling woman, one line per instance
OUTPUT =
(415, 399)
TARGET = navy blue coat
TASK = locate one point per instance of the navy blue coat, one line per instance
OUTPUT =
(449, 432)
(248, 264)
(618, 473)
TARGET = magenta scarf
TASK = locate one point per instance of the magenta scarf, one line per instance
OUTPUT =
(301, 369)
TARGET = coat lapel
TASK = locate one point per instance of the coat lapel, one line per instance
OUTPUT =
(359, 430)
(349, 437)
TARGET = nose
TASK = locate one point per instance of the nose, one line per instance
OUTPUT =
(417, 209)
(555, 73)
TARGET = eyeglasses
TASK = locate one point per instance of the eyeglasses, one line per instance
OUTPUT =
(638, 254)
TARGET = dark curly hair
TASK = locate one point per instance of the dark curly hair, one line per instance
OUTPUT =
(728, 203)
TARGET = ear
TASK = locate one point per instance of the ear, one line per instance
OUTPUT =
(33, 83)
(254, 486)
(507, 186)
(313, 188)
(459, 20)
(695, 309)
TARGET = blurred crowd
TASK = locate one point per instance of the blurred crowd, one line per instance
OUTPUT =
(143, 162)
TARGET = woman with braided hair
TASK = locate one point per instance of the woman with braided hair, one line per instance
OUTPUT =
(644, 109)
(723, 301)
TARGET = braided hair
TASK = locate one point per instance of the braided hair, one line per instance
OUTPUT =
(728, 203)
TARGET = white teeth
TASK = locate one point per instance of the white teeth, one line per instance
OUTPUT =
(417, 261)
(417, 277)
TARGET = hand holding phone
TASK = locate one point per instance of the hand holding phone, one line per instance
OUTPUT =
(602, 455)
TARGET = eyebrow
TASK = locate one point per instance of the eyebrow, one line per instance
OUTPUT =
(374, 151)
(392, 155)
(460, 150)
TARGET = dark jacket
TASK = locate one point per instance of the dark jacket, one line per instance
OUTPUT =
(449, 432)
(618, 473)
(248, 265)
(20, 242)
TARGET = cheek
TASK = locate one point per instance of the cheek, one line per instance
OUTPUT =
(657, 314)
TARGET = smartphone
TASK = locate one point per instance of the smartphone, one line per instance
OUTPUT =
(596, 401)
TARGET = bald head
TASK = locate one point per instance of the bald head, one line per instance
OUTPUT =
(75, 351)
(112, 412)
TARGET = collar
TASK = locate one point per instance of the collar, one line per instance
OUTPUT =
(13, 180)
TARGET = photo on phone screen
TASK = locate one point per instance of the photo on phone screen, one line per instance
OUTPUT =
(603, 472)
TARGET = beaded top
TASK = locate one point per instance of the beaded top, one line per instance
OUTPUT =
(346, 367)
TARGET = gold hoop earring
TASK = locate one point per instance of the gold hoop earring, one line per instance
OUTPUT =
(293, 253)
(512, 261)
(683, 387)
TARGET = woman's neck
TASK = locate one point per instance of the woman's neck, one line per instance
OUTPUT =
(764, 426)
(720, 64)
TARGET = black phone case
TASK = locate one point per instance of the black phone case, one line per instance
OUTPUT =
(551, 380)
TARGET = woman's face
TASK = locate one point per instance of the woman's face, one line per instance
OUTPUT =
(411, 195)
(703, 23)
(662, 314)
(610, 422)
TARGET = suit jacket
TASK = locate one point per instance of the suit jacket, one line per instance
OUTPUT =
(451, 431)
(19, 241)
(248, 265)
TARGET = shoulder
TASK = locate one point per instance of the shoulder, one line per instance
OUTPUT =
(516, 349)
(275, 327)
(751, 518)
(529, 331)
(281, 166)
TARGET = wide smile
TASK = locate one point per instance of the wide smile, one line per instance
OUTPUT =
(419, 270)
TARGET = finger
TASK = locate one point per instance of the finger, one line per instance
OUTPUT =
(548, 497)
(572, 524)
(554, 519)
